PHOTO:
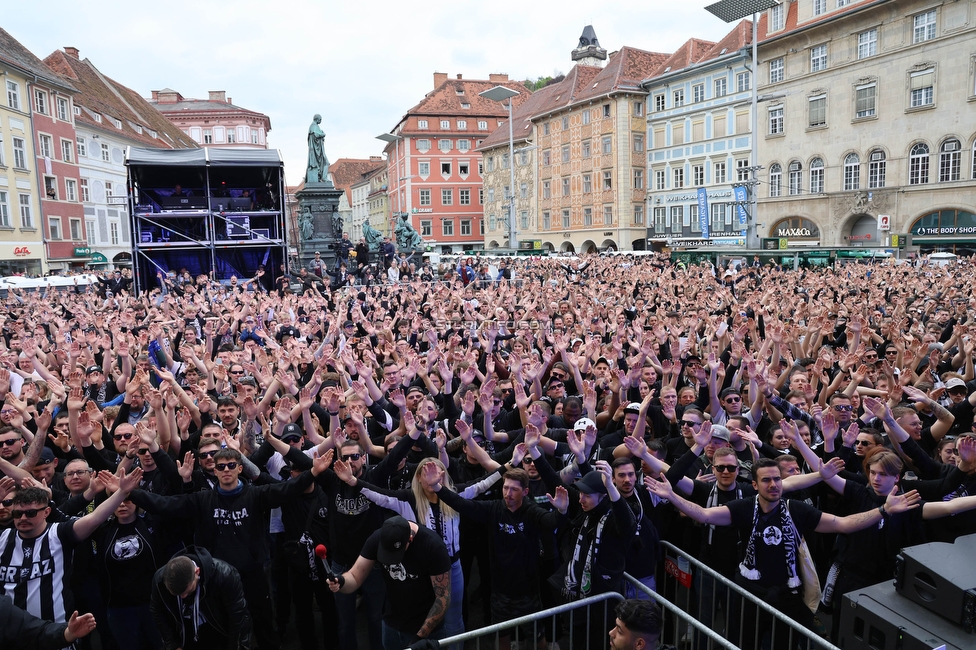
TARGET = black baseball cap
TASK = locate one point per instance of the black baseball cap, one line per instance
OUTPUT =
(394, 537)
(291, 430)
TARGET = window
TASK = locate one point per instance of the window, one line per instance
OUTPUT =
(974, 161)
(523, 158)
(26, 214)
(587, 183)
(70, 189)
(852, 172)
(679, 97)
(75, 225)
(462, 125)
(444, 144)
(546, 221)
(718, 172)
(424, 197)
(586, 116)
(922, 88)
(950, 160)
(775, 180)
(426, 228)
(606, 110)
(13, 95)
(505, 163)
(105, 156)
(546, 190)
(481, 196)
(721, 87)
(447, 196)
(90, 232)
(482, 125)
(698, 175)
(698, 92)
(506, 192)
(638, 215)
(677, 217)
(62, 109)
(447, 228)
(51, 187)
(817, 110)
(85, 192)
(464, 145)
(776, 69)
(465, 227)
(54, 227)
(638, 109)
(608, 215)
(423, 144)
(585, 149)
(741, 170)
(67, 150)
(481, 168)
(565, 184)
(877, 168)
(776, 17)
(231, 136)
(742, 82)
(421, 124)
(423, 169)
(492, 221)
(679, 178)
(587, 216)
(254, 136)
(924, 27)
(20, 153)
(445, 169)
(108, 189)
(564, 153)
(658, 102)
(208, 136)
(608, 180)
(607, 144)
(546, 158)
(464, 168)
(565, 218)
(865, 100)
(867, 43)
(40, 102)
(659, 179)
(445, 125)
(82, 147)
(819, 7)
(638, 179)
(4, 211)
(660, 219)
(818, 58)
(795, 186)
(776, 120)
(464, 197)
(565, 123)
(47, 146)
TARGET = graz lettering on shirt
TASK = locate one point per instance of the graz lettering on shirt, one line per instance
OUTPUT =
(509, 529)
(224, 517)
(17, 574)
(356, 506)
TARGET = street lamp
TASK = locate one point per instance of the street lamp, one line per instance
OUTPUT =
(498, 94)
(731, 11)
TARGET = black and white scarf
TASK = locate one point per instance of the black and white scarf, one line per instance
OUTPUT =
(790, 544)
(578, 581)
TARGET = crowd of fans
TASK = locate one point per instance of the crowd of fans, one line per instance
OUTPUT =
(201, 464)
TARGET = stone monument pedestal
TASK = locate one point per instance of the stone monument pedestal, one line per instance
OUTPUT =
(321, 200)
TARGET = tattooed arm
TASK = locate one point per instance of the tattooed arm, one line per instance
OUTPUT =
(442, 598)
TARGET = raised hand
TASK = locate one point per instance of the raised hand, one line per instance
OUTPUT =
(896, 503)
(661, 488)
(561, 501)
(321, 463)
(185, 469)
(343, 471)
(704, 434)
(831, 468)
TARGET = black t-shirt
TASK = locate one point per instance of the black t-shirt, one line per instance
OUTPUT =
(768, 543)
(409, 592)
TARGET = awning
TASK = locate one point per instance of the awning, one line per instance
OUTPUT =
(98, 258)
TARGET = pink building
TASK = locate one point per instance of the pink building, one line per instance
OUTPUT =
(214, 122)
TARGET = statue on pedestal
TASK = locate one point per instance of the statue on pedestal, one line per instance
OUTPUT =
(337, 224)
(408, 239)
(318, 163)
(305, 223)
(373, 237)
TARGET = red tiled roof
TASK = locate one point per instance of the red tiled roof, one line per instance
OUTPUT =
(735, 40)
(625, 70)
(16, 55)
(692, 51)
(346, 172)
(447, 98)
(102, 95)
(522, 119)
(568, 90)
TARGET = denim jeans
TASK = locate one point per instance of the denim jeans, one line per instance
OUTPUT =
(134, 627)
(373, 590)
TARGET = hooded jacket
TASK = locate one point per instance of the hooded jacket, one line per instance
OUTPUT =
(221, 602)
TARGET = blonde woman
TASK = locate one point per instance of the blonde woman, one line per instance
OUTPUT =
(420, 504)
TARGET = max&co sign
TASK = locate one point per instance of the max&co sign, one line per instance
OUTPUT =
(22, 251)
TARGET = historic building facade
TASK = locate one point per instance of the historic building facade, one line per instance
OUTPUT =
(872, 136)
(215, 121)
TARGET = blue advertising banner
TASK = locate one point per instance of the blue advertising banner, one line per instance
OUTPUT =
(741, 196)
(703, 211)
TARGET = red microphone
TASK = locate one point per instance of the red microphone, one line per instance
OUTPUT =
(321, 552)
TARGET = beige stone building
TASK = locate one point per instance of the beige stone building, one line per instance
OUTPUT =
(868, 131)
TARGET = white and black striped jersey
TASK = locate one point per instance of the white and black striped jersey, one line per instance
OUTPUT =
(34, 573)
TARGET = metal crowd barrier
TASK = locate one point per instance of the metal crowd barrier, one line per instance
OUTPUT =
(717, 603)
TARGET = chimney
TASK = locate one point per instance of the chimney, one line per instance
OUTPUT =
(218, 96)
(71, 51)
(230, 100)
(155, 95)
(497, 78)
(439, 78)
(459, 77)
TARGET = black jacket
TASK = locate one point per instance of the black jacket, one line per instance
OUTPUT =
(18, 629)
(221, 602)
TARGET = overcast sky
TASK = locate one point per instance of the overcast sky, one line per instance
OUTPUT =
(361, 65)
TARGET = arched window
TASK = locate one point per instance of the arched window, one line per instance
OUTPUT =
(974, 160)
(950, 160)
(816, 176)
(877, 168)
(775, 179)
(918, 164)
(796, 178)
(852, 172)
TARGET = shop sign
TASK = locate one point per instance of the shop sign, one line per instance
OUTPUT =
(22, 251)
(865, 237)
(423, 210)
(930, 232)
(794, 232)
(81, 251)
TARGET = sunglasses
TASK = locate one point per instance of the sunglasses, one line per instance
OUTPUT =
(143, 451)
(722, 469)
(6, 503)
(528, 461)
(733, 400)
(349, 457)
(236, 372)
(863, 443)
(843, 407)
(497, 402)
(123, 436)
(223, 466)
(30, 514)
(689, 423)
(9, 443)
(207, 454)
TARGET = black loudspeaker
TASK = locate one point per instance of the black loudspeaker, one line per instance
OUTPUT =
(942, 578)
(877, 618)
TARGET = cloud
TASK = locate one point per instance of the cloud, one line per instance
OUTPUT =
(362, 66)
